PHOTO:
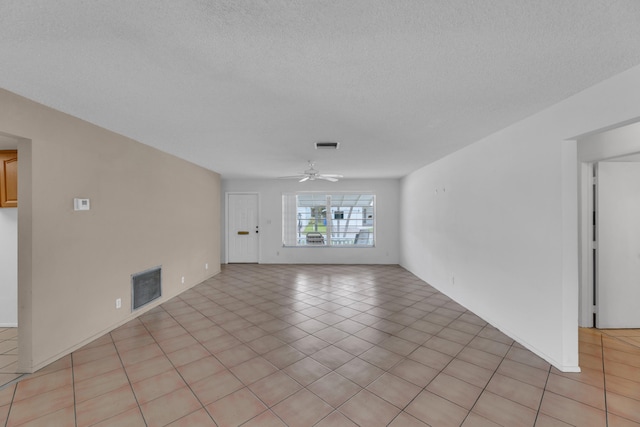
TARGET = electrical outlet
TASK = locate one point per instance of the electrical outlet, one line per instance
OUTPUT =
(206, 266)
(119, 303)
(183, 280)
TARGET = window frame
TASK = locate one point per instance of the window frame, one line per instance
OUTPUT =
(293, 223)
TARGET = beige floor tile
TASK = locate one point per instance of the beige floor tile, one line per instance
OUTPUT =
(266, 419)
(394, 390)
(140, 354)
(215, 387)
(236, 355)
(170, 407)
(623, 387)
(101, 384)
(571, 411)
(302, 409)
(380, 357)
(90, 354)
(436, 411)
(148, 368)
(522, 393)
(96, 367)
(105, 406)
(156, 386)
(306, 371)
(4, 413)
(622, 370)
(354, 345)
(504, 411)
(40, 405)
(624, 407)
(525, 373)
(61, 417)
(221, 343)
(134, 342)
(614, 420)
(334, 389)
(528, 358)
(360, 371)
(336, 419)
(367, 409)
(332, 357)
(457, 391)
(236, 408)
(429, 357)
(405, 420)
(309, 344)
(252, 370)
(284, 356)
(475, 420)
(544, 420)
(130, 418)
(290, 334)
(331, 335)
(586, 376)
(275, 388)
(265, 344)
(465, 371)
(199, 369)
(33, 386)
(188, 354)
(575, 390)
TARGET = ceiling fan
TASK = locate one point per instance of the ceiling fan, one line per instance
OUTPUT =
(312, 174)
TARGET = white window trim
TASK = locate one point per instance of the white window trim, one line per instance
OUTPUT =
(292, 208)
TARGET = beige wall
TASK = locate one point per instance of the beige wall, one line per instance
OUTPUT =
(148, 208)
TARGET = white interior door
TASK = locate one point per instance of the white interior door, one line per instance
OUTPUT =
(242, 228)
(618, 245)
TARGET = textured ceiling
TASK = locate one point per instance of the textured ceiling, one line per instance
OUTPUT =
(245, 87)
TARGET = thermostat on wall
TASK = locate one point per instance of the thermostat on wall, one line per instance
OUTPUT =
(81, 204)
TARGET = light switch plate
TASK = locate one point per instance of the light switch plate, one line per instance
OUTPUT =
(81, 204)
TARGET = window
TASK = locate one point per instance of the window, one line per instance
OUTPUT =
(336, 219)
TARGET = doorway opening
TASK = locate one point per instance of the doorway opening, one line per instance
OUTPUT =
(609, 241)
(8, 267)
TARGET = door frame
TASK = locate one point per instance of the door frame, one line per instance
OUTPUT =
(226, 221)
(601, 145)
(586, 237)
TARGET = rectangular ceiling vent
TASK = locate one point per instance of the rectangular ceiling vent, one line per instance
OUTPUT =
(327, 145)
(146, 286)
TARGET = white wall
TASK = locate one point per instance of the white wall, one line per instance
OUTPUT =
(8, 267)
(506, 228)
(387, 193)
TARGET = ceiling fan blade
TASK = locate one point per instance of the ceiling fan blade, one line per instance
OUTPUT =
(291, 177)
(332, 175)
(327, 178)
(304, 179)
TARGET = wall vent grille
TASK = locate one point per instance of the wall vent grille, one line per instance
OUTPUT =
(146, 286)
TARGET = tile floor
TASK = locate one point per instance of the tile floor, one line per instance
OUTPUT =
(8, 355)
(273, 345)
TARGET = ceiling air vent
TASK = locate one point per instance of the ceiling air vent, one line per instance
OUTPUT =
(327, 145)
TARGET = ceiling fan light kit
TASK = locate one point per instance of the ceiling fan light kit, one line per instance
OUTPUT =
(312, 174)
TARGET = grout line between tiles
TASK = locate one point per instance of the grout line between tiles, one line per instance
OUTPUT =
(128, 379)
(604, 381)
(73, 386)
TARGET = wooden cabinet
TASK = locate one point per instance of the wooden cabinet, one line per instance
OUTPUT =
(8, 179)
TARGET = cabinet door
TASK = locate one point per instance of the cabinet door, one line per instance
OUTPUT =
(9, 179)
